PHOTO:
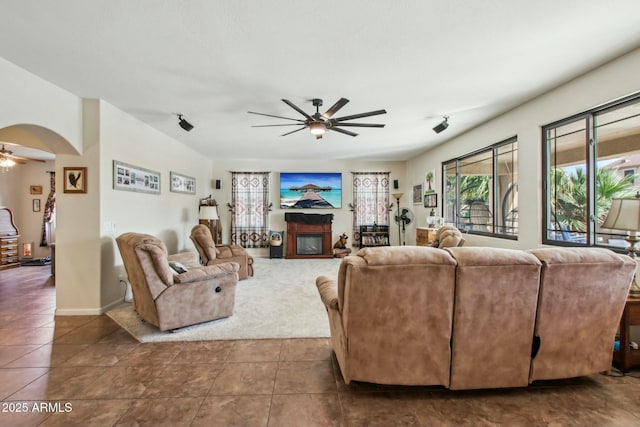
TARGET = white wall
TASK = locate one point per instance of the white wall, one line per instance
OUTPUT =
(611, 81)
(169, 216)
(29, 100)
(343, 218)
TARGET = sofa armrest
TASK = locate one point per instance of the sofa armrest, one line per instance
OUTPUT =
(208, 272)
(328, 292)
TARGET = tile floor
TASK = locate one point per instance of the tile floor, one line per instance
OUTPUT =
(87, 371)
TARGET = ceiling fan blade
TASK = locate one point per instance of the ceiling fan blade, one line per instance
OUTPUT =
(362, 125)
(278, 117)
(334, 109)
(293, 131)
(357, 116)
(267, 126)
(299, 110)
(26, 158)
(346, 132)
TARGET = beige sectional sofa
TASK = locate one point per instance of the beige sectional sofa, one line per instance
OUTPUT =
(471, 317)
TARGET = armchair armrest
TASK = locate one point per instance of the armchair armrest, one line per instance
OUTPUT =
(189, 259)
(328, 292)
(208, 272)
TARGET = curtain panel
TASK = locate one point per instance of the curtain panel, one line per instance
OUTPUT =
(46, 236)
(370, 201)
(250, 209)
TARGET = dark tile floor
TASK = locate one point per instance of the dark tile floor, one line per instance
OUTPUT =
(87, 371)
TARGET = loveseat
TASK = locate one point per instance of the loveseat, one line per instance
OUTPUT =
(472, 317)
(169, 299)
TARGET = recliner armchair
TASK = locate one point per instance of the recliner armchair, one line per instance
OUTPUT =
(169, 300)
(448, 236)
(210, 254)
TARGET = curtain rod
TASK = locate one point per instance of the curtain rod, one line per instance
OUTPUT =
(370, 173)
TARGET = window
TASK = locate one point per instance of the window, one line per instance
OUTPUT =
(481, 190)
(589, 159)
(250, 209)
(370, 201)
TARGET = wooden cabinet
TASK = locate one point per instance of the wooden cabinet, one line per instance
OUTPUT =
(374, 235)
(425, 235)
(8, 240)
(627, 357)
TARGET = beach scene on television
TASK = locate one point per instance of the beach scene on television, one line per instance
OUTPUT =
(310, 190)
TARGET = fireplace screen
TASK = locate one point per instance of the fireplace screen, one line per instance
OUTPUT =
(309, 244)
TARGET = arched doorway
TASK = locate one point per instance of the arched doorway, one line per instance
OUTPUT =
(28, 188)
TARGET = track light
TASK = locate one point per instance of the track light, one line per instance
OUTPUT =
(442, 126)
(184, 124)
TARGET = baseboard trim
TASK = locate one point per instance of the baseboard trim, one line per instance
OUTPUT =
(87, 311)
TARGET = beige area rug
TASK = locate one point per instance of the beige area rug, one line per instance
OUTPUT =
(280, 301)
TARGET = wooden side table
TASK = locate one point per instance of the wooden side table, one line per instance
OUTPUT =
(627, 357)
(425, 235)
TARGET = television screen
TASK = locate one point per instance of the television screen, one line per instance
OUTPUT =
(305, 190)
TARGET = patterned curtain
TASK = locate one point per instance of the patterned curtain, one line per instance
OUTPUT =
(49, 213)
(370, 201)
(250, 209)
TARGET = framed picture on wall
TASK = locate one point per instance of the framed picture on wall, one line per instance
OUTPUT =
(417, 194)
(75, 180)
(35, 205)
(182, 183)
(134, 178)
(35, 189)
(431, 200)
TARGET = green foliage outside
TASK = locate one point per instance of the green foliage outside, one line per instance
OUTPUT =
(569, 196)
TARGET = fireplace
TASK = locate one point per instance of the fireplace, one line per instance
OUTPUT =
(308, 235)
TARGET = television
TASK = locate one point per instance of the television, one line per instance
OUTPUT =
(310, 190)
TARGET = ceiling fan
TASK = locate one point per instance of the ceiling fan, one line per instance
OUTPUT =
(318, 123)
(7, 159)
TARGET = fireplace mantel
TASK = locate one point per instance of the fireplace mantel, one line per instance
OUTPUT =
(301, 226)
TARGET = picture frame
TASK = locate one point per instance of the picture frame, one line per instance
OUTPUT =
(35, 189)
(75, 180)
(431, 200)
(35, 205)
(417, 194)
(182, 183)
(430, 182)
(128, 177)
(296, 189)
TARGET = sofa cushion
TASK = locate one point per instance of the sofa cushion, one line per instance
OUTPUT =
(582, 294)
(390, 255)
(494, 316)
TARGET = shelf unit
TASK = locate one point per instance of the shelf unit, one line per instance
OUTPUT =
(374, 235)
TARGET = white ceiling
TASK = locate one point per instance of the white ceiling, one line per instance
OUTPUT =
(214, 61)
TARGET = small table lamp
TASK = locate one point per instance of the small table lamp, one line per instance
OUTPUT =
(209, 216)
(624, 214)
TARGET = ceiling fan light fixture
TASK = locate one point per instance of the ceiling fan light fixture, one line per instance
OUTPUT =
(6, 162)
(442, 126)
(184, 124)
(317, 129)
